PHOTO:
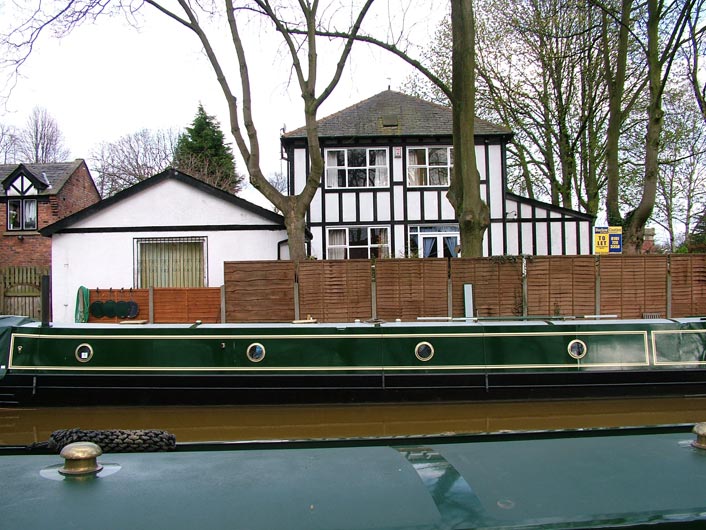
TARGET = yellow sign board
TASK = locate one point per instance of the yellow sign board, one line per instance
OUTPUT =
(608, 239)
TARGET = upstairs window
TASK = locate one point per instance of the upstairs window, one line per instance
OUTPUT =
(357, 168)
(429, 166)
(360, 242)
(22, 214)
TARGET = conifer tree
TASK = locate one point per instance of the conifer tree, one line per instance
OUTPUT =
(202, 153)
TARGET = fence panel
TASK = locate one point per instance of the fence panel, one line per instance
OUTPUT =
(561, 285)
(688, 274)
(411, 288)
(20, 291)
(497, 285)
(259, 291)
(187, 304)
(335, 290)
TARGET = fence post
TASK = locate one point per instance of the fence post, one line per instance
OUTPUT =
(669, 286)
(150, 312)
(373, 291)
(598, 284)
(3, 311)
(223, 304)
(46, 301)
(525, 294)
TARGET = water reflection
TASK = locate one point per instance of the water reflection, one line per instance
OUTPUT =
(22, 426)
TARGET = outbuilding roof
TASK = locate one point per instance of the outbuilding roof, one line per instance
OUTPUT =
(391, 113)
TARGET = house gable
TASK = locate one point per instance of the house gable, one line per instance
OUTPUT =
(34, 196)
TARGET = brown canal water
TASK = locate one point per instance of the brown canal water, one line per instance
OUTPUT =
(23, 426)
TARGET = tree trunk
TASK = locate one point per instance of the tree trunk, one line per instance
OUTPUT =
(464, 192)
(616, 87)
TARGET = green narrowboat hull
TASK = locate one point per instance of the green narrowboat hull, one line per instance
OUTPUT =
(482, 357)
(608, 479)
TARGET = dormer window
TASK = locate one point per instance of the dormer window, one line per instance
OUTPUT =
(22, 214)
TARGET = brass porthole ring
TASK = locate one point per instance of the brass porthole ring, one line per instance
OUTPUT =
(84, 353)
(577, 349)
(255, 352)
(424, 351)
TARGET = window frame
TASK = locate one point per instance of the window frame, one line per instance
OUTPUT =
(372, 250)
(137, 257)
(346, 168)
(440, 232)
(23, 206)
(427, 167)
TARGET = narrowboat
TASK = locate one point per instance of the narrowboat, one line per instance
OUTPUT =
(631, 478)
(466, 359)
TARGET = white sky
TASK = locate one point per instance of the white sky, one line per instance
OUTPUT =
(109, 79)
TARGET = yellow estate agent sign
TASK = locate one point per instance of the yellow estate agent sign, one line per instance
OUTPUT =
(608, 239)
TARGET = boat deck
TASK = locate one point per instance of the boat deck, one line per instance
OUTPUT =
(627, 478)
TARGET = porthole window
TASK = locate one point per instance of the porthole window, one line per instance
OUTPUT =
(424, 351)
(84, 353)
(256, 352)
(577, 349)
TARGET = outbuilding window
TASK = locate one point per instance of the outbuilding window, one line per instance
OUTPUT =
(170, 262)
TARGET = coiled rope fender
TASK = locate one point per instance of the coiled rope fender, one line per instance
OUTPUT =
(115, 441)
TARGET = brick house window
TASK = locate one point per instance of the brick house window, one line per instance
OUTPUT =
(22, 214)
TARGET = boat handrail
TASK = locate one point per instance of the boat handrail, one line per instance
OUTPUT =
(517, 318)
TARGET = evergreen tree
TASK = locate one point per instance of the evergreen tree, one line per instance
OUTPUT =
(202, 153)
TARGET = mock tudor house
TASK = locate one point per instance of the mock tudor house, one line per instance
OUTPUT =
(34, 196)
(170, 230)
(388, 161)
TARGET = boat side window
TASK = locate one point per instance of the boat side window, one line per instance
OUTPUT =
(256, 352)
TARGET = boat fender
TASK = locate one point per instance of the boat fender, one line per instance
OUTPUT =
(115, 441)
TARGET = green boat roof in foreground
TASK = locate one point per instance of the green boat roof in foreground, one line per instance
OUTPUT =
(580, 479)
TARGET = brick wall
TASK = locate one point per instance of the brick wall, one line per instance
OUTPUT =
(30, 248)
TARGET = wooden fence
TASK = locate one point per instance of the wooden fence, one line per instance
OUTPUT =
(20, 291)
(163, 305)
(345, 290)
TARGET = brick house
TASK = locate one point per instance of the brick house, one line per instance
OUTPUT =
(34, 196)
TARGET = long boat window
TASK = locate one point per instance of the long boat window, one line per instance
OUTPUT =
(170, 262)
(356, 168)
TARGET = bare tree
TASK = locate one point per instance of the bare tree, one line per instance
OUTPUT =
(132, 158)
(41, 141)
(8, 144)
(62, 17)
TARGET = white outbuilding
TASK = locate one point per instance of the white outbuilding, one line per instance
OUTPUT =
(170, 230)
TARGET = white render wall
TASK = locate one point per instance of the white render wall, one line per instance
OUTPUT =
(106, 259)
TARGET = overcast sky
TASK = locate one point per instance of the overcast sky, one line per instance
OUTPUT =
(109, 79)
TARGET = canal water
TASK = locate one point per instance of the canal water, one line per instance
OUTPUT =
(24, 425)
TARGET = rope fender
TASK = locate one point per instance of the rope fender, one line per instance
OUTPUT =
(114, 440)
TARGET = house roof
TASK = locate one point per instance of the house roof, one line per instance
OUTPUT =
(391, 113)
(48, 178)
(170, 173)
